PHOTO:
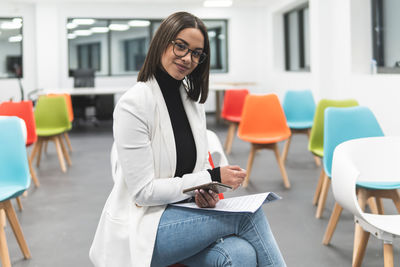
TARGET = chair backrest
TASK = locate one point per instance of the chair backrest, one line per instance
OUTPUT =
(343, 124)
(316, 141)
(299, 107)
(51, 112)
(216, 150)
(84, 77)
(14, 168)
(23, 110)
(233, 104)
(262, 114)
(68, 101)
(353, 161)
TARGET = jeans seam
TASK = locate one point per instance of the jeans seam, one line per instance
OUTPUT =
(259, 237)
(223, 253)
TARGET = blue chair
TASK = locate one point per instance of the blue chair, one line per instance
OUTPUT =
(342, 124)
(299, 108)
(14, 180)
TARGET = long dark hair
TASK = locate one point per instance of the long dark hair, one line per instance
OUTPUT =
(197, 81)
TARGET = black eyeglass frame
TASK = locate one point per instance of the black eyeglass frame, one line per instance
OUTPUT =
(202, 56)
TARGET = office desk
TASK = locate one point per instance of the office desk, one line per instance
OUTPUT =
(220, 88)
(85, 91)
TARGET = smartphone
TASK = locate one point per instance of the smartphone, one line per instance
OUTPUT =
(213, 186)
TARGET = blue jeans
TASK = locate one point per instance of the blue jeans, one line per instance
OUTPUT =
(215, 238)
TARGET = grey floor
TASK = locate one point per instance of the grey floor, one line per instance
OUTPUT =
(59, 218)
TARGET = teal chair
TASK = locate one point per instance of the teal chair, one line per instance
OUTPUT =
(299, 108)
(52, 121)
(342, 124)
(14, 180)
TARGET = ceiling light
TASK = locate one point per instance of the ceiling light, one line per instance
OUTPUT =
(83, 21)
(99, 29)
(10, 25)
(118, 27)
(139, 23)
(217, 3)
(15, 39)
(71, 25)
(83, 32)
(17, 20)
(212, 34)
(71, 36)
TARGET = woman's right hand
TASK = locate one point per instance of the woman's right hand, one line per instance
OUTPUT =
(232, 175)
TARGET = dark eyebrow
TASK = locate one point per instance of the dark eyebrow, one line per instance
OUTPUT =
(186, 43)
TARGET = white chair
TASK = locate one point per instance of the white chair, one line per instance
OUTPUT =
(363, 161)
(216, 150)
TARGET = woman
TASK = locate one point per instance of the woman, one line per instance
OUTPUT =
(160, 136)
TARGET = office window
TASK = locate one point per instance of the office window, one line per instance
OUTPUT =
(385, 35)
(129, 44)
(88, 45)
(119, 46)
(297, 39)
(217, 32)
(10, 47)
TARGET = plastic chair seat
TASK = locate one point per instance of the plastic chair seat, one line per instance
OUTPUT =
(318, 151)
(379, 185)
(262, 139)
(51, 131)
(299, 125)
(387, 223)
(233, 118)
(11, 191)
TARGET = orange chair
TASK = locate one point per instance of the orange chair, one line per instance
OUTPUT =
(263, 124)
(23, 110)
(70, 116)
(232, 112)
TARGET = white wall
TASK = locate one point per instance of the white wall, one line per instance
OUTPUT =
(340, 49)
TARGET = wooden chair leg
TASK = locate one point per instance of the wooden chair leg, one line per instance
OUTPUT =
(33, 173)
(229, 137)
(373, 206)
(360, 251)
(12, 218)
(45, 144)
(323, 196)
(18, 199)
(330, 229)
(249, 165)
(68, 141)
(4, 253)
(286, 149)
(317, 161)
(286, 182)
(362, 201)
(319, 186)
(396, 199)
(379, 205)
(40, 141)
(388, 254)
(34, 150)
(64, 150)
(60, 154)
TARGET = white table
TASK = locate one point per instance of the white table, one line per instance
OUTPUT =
(85, 91)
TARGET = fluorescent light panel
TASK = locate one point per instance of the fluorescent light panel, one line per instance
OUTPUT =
(99, 29)
(83, 21)
(118, 27)
(82, 32)
(139, 23)
(217, 3)
(10, 25)
(15, 39)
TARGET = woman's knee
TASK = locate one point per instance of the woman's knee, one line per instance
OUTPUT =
(235, 251)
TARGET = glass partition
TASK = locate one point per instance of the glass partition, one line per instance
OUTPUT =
(11, 47)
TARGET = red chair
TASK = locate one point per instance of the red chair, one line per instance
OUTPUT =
(23, 110)
(232, 112)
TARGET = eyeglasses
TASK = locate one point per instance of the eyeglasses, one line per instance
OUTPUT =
(181, 50)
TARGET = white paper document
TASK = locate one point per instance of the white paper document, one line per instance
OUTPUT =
(248, 203)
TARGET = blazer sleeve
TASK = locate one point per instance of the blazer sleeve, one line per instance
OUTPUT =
(133, 139)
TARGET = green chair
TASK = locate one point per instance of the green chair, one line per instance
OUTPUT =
(52, 120)
(316, 141)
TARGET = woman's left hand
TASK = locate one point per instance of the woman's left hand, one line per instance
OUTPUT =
(206, 199)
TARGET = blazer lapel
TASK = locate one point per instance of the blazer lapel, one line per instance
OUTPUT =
(165, 125)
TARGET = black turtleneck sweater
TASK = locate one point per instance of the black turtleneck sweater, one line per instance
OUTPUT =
(184, 141)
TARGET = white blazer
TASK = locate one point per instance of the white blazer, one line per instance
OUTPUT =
(144, 139)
